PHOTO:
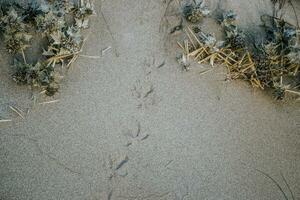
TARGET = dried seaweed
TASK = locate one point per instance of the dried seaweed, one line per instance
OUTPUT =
(49, 20)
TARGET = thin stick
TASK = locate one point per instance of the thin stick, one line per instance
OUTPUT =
(24, 58)
(248, 67)
(180, 45)
(5, 120)
(227, 56)
(224, 59)
(204, 59)
(105, 50)
(195, 52)
(92, 57)
(53, 64)
(62, 56)
(72, 60)
(200, 53)
(293, 92)
(196, 38)
(205, 71)
(258, 83)
(187, 48)
(190, 38)
(16, 110)
(49, 102)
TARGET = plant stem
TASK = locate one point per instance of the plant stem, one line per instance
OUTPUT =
(24, 58)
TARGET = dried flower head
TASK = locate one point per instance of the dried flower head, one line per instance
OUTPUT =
(16, 36)
(82, 14)
(194, 13)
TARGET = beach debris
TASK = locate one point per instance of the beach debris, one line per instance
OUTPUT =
(273, 64)
(59, 24)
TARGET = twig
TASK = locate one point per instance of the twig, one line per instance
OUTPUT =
(293, 92)
(87, 56)
(105, 50)
(180, 45)
(18, 111)
(5, 120)
(23, 55)
(196, 38)
(205, 71)
(72, 60)
(49, 102)
(190, 38)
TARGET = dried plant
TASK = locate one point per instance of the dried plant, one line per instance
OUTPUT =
(82, 13)
(273, 64)
(49, 20)
(194, 13)
(234, 37)
(15, 32)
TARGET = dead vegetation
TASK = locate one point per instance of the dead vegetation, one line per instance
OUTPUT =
(59, 23)
(273, 64)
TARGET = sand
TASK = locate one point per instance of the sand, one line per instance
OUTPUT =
(192, 137)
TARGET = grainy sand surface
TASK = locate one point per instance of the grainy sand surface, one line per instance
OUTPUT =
(194, 137)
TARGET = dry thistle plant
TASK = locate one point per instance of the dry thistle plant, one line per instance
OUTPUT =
(273, 64)
(59, 22)
(195, 12)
